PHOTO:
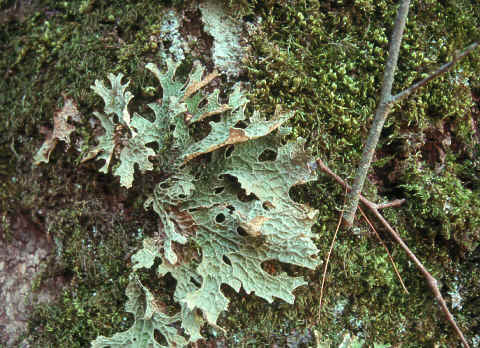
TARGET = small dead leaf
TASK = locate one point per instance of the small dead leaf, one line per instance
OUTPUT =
(254, 226)
(61, 130)
(199, 85)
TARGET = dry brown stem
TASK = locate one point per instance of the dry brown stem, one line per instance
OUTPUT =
(431, 281)
(386, 249)
(328, 259)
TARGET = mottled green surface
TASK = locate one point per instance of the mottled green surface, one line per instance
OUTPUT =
(231, 215)
(326, 62)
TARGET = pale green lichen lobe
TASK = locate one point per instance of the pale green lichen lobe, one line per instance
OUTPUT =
(226, 51)
(235, 208)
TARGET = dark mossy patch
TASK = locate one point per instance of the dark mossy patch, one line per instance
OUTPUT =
(92, 254)
(323, 59)
(58, 48)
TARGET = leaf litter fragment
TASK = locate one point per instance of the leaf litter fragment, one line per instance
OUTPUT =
(61, 130)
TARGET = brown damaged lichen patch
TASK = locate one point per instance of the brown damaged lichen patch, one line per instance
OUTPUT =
(61, 130)
(194, 87)
(183, 221)
(253, 227)
(236, 136)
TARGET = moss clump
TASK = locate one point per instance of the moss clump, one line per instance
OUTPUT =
(49, 49)
(326, 60)
(60, 47)
(91, 250)
(449, 209)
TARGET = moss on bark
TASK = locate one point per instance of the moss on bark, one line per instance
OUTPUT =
(322, 59)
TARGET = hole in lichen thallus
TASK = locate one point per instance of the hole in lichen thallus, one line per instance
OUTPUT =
(220, 218)
(218, 190)
(241, 124)
(154, 146)
(167, 44)
(271, 266)
(203, 103)
(229, 151)
(267, 155)
(242, 196)
(226, 260)
(164, 185)
(160, 338)
(241, 231)
(267, 205)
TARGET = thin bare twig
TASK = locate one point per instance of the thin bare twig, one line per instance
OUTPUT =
(385, 104)
(328, 259)
(386, 249)
(383, 109)
(433, 75)
(431, 281)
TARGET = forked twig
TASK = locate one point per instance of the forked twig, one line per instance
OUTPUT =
(436, 73)
(431, 281)
(385, 105)
(383, 109)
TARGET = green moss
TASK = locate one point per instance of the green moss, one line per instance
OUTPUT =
(91, 250)
(448, 209)
(59, 47)
(323, 59)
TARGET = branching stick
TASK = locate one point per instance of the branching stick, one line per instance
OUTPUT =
(386, 102)
(431, 281)
(436, 73)
(380, 115)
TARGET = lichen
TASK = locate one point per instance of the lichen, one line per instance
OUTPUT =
(300, 55)
(235, 208)
(170, 38)
(227, 51)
